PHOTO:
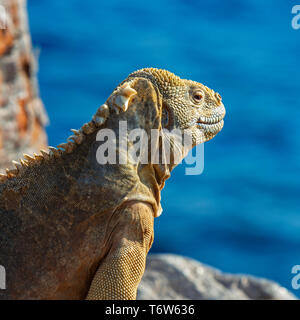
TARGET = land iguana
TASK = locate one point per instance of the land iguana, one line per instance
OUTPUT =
(73, 228)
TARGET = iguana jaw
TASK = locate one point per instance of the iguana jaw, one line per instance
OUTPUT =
(211, 128)
(208, 125)
(215, 118)
(212, 124)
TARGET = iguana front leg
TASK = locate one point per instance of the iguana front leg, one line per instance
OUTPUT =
(121, 271)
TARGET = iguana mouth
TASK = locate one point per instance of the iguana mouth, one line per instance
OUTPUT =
(211, 127)
(211, 120)
(212, 124)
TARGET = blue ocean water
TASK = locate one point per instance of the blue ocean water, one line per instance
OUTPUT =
(242, 214)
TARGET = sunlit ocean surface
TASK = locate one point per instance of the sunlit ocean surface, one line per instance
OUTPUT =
(242, 214)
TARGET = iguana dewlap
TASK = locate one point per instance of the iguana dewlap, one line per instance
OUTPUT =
(71, 228)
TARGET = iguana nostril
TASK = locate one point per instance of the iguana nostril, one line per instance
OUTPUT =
(218, 97)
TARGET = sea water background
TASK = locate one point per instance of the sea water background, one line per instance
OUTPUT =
(242, 214)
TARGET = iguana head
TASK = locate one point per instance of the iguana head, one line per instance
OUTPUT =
(186, 104)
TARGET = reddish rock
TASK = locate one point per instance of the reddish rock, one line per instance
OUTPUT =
(22, 114)
(22, 118)
(6, 40)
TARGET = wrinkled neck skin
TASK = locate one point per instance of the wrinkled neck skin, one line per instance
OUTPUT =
(144, 112)
(137, 180)
(148, 112)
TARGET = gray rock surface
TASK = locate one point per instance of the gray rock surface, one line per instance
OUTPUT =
(175, 277)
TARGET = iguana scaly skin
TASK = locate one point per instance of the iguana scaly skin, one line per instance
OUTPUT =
(71, 228)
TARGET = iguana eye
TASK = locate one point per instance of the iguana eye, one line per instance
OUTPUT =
(197, 96)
